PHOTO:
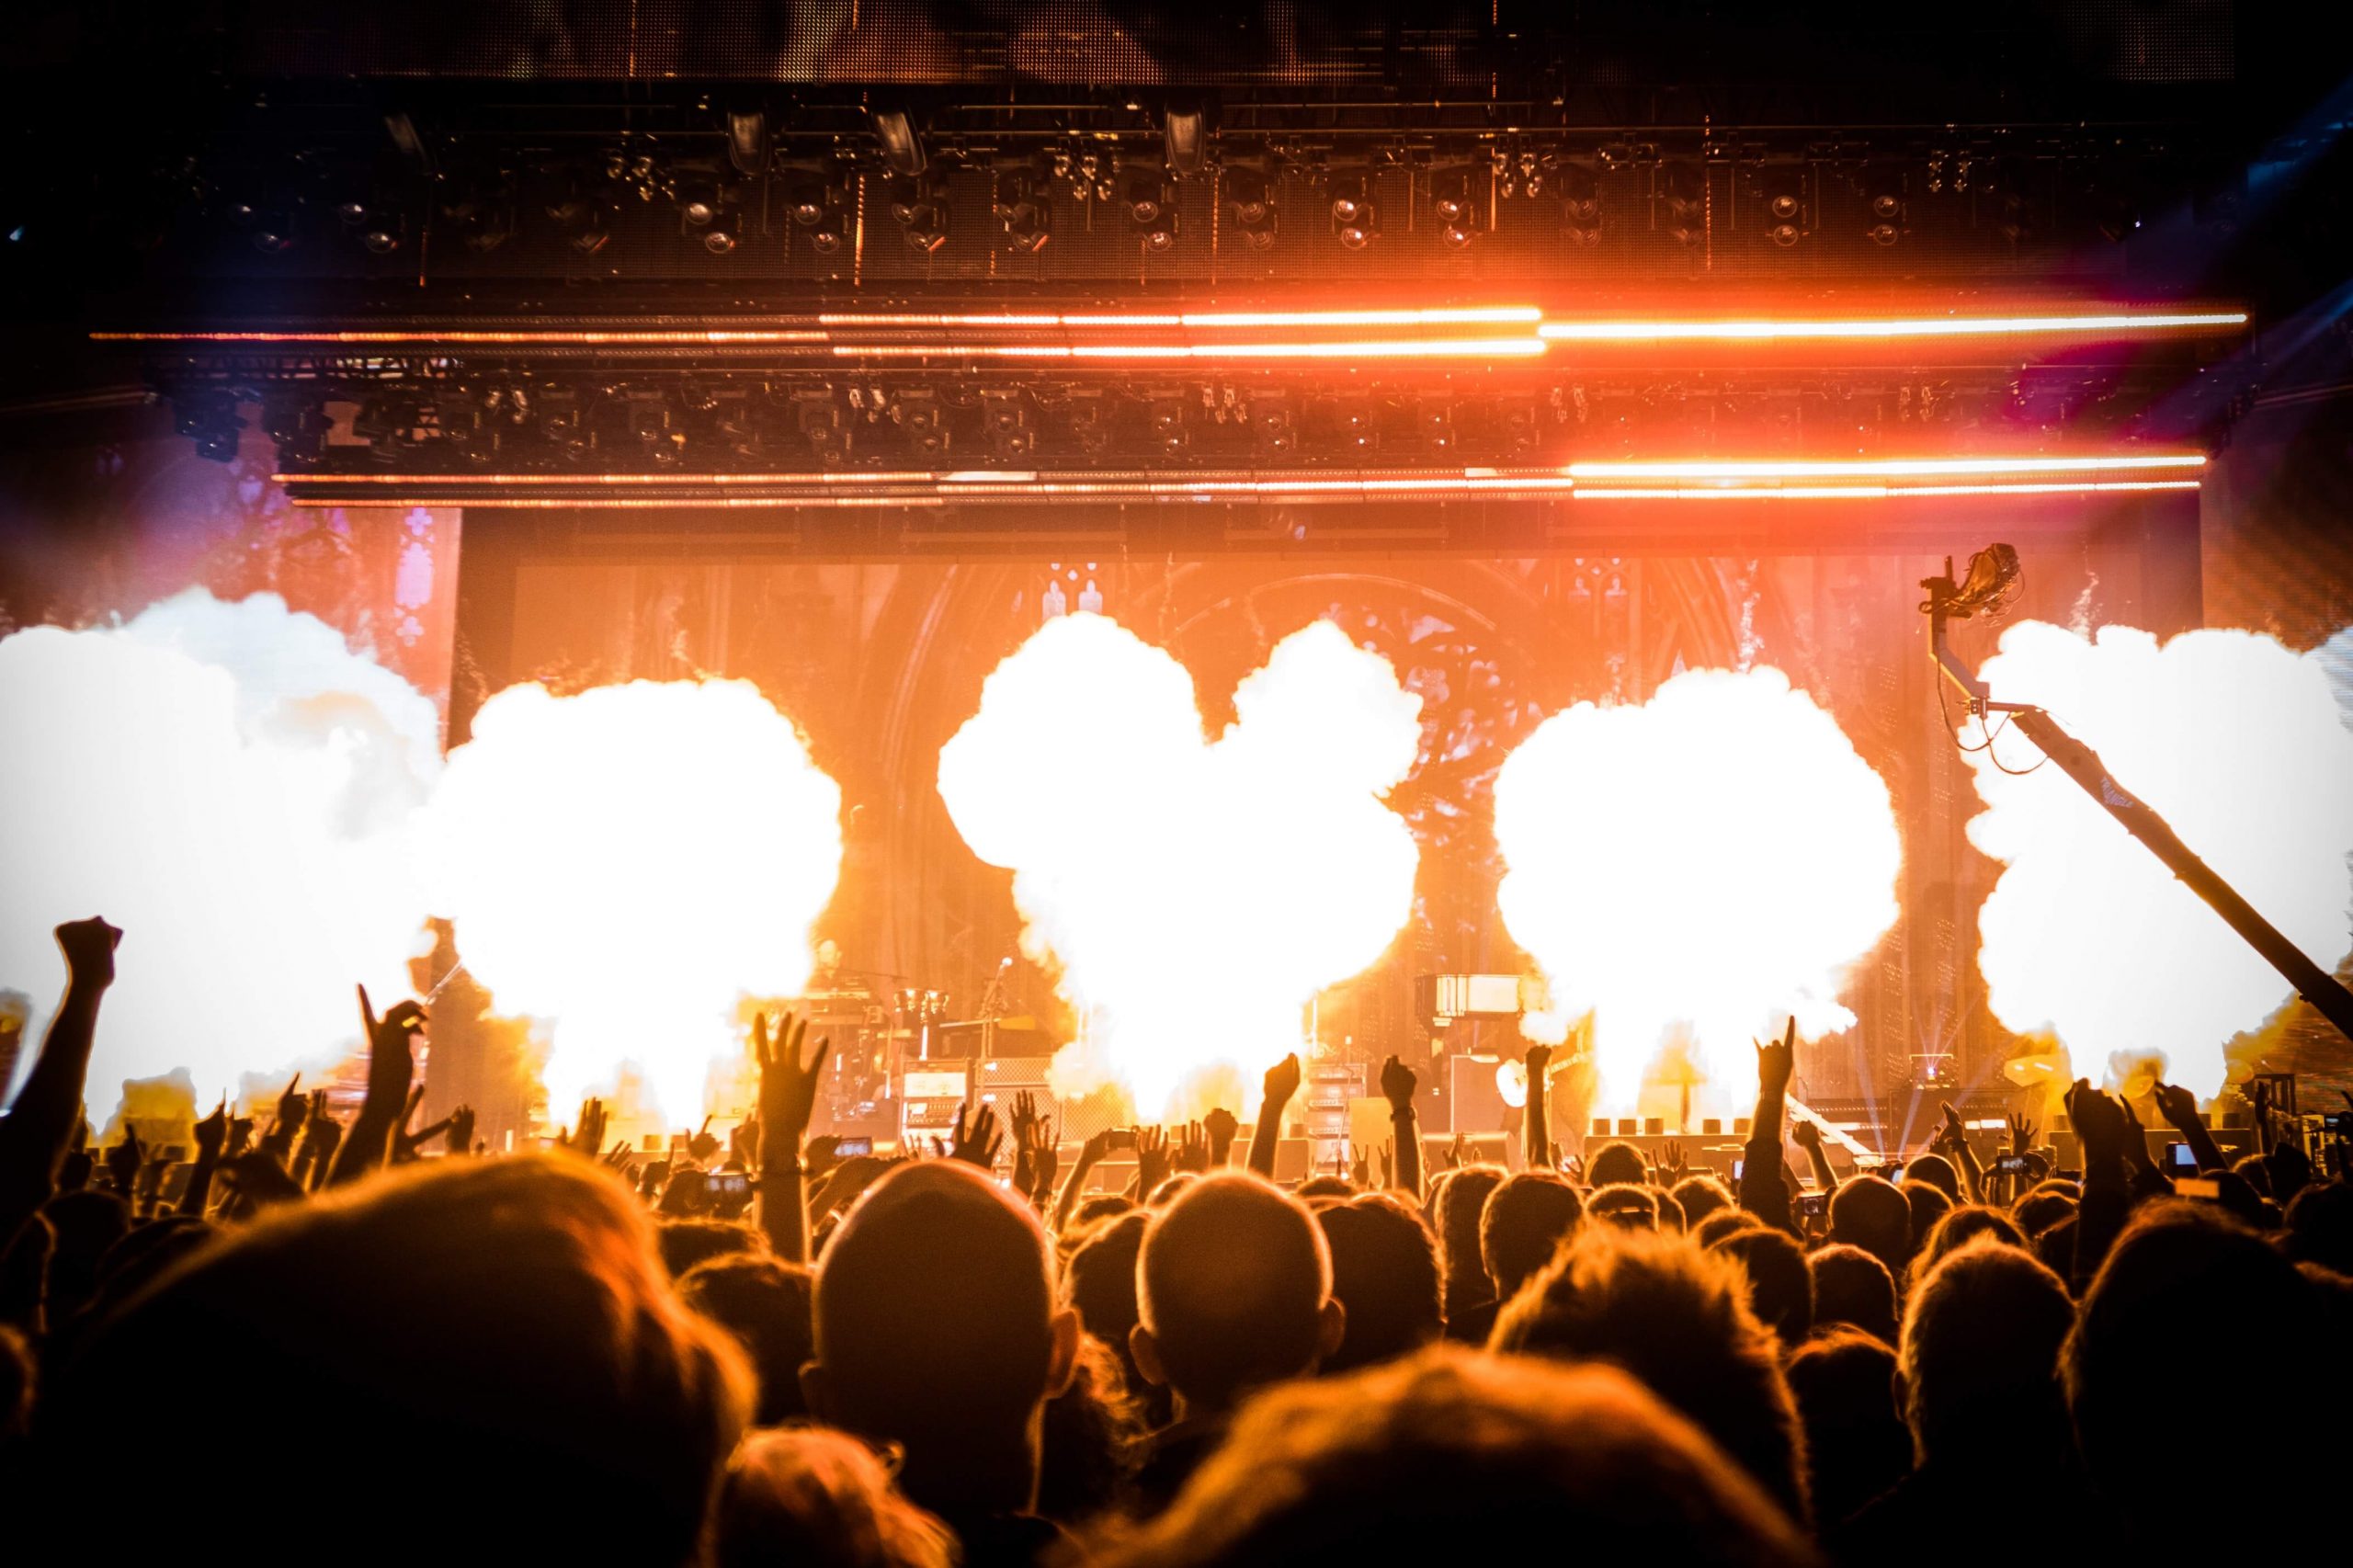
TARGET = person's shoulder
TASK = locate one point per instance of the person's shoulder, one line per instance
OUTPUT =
(1472, 1325)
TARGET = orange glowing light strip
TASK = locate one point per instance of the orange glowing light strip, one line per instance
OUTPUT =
(563, 337)
(2119, 323)
(1873, 491)
(1473, 315)
(1890, 468)
(1387, 348)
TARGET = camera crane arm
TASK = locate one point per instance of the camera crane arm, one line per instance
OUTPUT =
(1993, 573)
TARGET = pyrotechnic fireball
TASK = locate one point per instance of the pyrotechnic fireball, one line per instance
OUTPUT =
(1693, 869)
(2237, 741)
(627, 865)
(1195, 894)
(233, 786)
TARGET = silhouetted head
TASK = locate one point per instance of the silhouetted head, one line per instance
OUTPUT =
(495, 1337)
(1099, 1280)
(1678, 1319)
(1623, 1205)
(1616, 1161)
(1462, 1204)
(1092, 1429)
(1929, 1205)
(1938, 1172)
(2038, 1211)
(1234, 1291)
(821, 1498)
(1873, 1214)
(2180, 1273)
(1980, 1360)
(1409, 1462)
(1526, 1219)
(1700, 1194)
(1780, 1285)
(1852, 1286)
(1711, 1231)
(1844, 1382)
(686, 1242)
(1958, 1229)
(936, 1328)
(763, 1302)
(1384, 1273)
(2320, 1226)
(1670, 1212)
(87, 1224)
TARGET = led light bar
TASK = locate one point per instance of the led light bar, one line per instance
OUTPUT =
(1698, 480)
(2099, 324)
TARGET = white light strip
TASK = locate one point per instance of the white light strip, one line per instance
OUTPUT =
(1767, 330)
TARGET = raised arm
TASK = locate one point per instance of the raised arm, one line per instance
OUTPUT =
(788, 1095)
(1536, 1131)
(34, 1135)
(1090, 1155)
(1397, 1081)
(1952, 1142)
(1762, 1191)
(2101, 1126)
(1807, 1136)
(2179, 1108)
(1279, 1084)
(391, 1065)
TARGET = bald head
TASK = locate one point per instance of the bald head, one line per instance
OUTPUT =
(936, 1256)
(1235, 1290)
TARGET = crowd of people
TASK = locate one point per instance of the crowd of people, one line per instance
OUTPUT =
(369, 1342)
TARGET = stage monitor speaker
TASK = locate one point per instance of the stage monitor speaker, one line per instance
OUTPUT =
(1014, 1071)
(929, 1096)
(1474, 1103)
(1290, 1160)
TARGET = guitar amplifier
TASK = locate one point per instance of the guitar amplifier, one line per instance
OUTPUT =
(930, 1094)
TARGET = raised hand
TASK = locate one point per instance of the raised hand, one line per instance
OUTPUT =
(1805, 1135)
(1950, 1131)
(1221, 1129)
(1045, 1160)
(259, 1180)
(1674, 1167)
(241, 1135)
(2099, 1122)
(1152, 1159)
(1389, 1165)
(213, 1133)
(2178, 1106)
(391, 1058)
(1776, 1063)
(460, 1133)
(1537, 1058)
(587, 1136)
(293, 1109)
(703, 1145)
(1279, 1084)
(124, 1159)
(821, 1155)
(88, 946)
(2022, 1133)
(1397, 1082)
(1572, 1167)
(1091, 1152)
(1192, 1152)
(787, 1085)
(1362, 1173)
(978, 1141)
(1458, 1153)
(1024, 1118)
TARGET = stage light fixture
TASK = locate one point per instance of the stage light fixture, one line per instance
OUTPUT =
(1683, 189)
(901, 143)
(1452, 204)
(1151, 202)
(1783, 189)
(719, 238)
(1580, 191)
(1248, 196)
(821, 210)
(747, 141)
(1355, 221)
(1184, 135)
(921, 211)
(1027, 220)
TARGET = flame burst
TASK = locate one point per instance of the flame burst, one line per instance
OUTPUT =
(234, 786)
(1693, 871)
(2234, 741)
(627, 865)
(1196, 894)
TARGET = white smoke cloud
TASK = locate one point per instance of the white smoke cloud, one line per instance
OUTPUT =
(628, 864)
(232, 786)
(2237, 742)
(1695, 869)
(1196, 894)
